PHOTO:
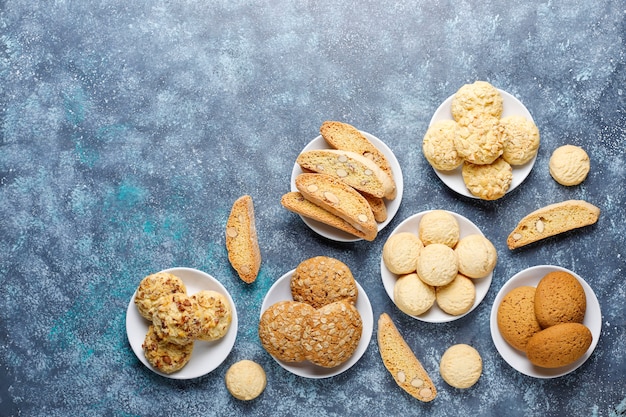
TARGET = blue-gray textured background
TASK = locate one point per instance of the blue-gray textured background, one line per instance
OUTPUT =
(129, 128)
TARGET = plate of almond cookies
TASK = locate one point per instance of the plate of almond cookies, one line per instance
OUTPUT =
(546, 321)
(346, 184)
(437, 266)
(481, 142)
(181, 323)
(316, 320)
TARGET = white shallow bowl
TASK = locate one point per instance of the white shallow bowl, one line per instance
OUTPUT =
(516, 358)
(454, 179)
(281, 291)
(435, 314)
(206, 356)
(392, 205)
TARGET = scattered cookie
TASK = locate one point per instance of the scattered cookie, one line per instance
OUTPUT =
(516, 317)
(559, 298)
(439, 226)
(165, 356)
(437, 264)
(245, 380)
(520, 138)
(461, 366)
(457, 297)
(213, 312)
(400, 253)
(438, 146)
(281, 327)
(477, 256)
(323, 280)
(242, 241)
(412, 295)
(153, 287)
(569, 165)
(488, 182)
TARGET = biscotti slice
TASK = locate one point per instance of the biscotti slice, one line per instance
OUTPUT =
(378, 207)
(352, 168)
(401, 362)
(295, 202)
(348, 138)
(552, 220)
(242, 242)
(340, 199)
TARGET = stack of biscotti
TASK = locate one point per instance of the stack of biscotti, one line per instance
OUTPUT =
(344, 187)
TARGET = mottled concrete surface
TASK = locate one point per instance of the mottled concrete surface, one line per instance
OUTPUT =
(130, 127)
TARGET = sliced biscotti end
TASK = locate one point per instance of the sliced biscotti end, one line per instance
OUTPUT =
(379, 208)
(340, 199)
(402, 363)
(242, 242)
(552, 220)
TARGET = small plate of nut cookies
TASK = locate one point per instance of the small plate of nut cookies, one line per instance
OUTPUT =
(546, 321)
(181, 323)
(437, 266)
(482, 142)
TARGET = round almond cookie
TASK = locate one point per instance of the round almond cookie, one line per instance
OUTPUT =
(412, 295)
(488, 182)
(281, 327)
(461, 366)
(477, 256)
(212, 310)
(559, 298)
(438, 146)
(516, 317)
(478, 99)
(437, 264)
(569, 165)
(323, 280)
(439, 226)
(153, 287)
(520, 138)
(400, 252)
(245, 380)
(457, 297)
(165, 356)
(174, 319)
(479, 140)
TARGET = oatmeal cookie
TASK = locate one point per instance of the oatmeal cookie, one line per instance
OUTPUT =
(281, 327)
(323, 280)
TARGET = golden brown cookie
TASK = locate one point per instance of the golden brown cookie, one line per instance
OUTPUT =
(477, 256)
(165, 356)
(439, 226)
(569, 165)
(559, 298)
(323, 280)
(400, 252)
(153, 287)
(488, 182)
(438, 146)
(479, 140)
(174, 319)
(516, 317)
(281, 327)
(412, 295)
(559, 345)
(437, 264)
(520, 138)
(245, 380)
(461, 366)
(477, 99)
(242, 242)
(213, 312)
(457, 297)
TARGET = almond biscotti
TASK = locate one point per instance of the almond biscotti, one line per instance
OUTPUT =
(242, 242)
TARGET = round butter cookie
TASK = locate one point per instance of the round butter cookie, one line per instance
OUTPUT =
(559, 298)
(461, 366)
(439, 226)
(477, 256)
(212, 310)
(174, 319)
(520, 138)
(400, 252)
(245, 380)
(516, 317)
(479, 140)
(153, 287)
(165, 356)
(281, 327)
(478, 99)
(569, 165)
(437, 264)
(412, 295)
(488, 182)
(438, 146)
(323, 280)
(457, 297)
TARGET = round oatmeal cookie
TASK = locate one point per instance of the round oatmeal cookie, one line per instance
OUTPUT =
(281, 327)
(479, 140)
(477, 256)
(516, 317)
(213, 311)
(323, 280)
(332, 334)
(437, 264)
(520, 138)
(174, 319)
(569, 165)
(412, 295)
(477, 99)
(153, 287)
(559, 298)
(488, 182)
(439, 226)
(457, 297)
(438, 146)
(165, 356)
(400, 252)
(461, 366)
(245, 380)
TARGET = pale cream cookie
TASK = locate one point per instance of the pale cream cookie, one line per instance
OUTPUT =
(412, 295)
(479, 139)
(478, 99)
(438, 146)
(457, 297)
(439, 226)
(437, 264)
(400, 252)
(153, 287)
(461, 366)
(520, 138)
(213, 311)
(569, 165)
(163, 355)
(477, 256)
(488, 182)
(245, 380)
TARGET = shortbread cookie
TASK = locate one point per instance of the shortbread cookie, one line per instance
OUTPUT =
(457, 297)
(438, 146)
(516, 317)
(332, 334)
(477, 100)
(245, 380)
(477, 256)
(569, 165)
(412, 295)
(552, 220)
(242, 241)
(174, 320)
(437, 264)
(520, 138)
(213, 311)
(378, 206)
(323, 280)
(559, 298)
(165, 356)
(153, 287)
(479, 140)
(400, 252)
(402, 363)
(281, 327)
(461, 366)
(340, 199)
(488, 182)
(559, 345)
(439, 226)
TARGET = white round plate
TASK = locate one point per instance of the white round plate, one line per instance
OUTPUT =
(516, 358)
(330, 232)
(435, 314)
(281, 291)
(206, 356)
(454, 179)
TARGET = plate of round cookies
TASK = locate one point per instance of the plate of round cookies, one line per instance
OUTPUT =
(287, 311)
(437, 266)
(465, 164)
(173, 297)
(557, 321)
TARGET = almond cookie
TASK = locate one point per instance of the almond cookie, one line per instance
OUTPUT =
(520, 138)
(559, 345)
(242, 242)
(245, 380)
(559, 298)
(412, 295)
(516, 317)
(153, 287)
(281, 327)
(488, 182)
(479, 140)
(212, 310)
(477, 256)
(457, 297)
(401, 251)
(439, 226)
(163, 355)
(569, 165)
(174, 319)
(378, 207)
(438, 146)
(437, 264)
(461, 366)
(332, 334)
(323, 280)
(477, 99)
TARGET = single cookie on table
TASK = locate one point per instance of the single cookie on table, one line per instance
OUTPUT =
(516, 317)
(439, 226)
(559, 298)
(559, 345)
(438, 146)
(569, 165)
(412, 295)
(323, 280)
(281, 327)
(457, 297)
(400, 252)
(242, 243)
(520, 138)
(437, 264)
(174, 319)
(153, 287)
(245, 380)
(165, 356)
(213, 311)
(488, 182)
(478, 99)
(479, 140)
(477, 256)
(461, 366)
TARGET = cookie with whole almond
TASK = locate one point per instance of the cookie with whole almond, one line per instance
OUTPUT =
(323, 280)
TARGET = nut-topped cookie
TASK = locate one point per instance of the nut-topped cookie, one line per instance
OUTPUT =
(214, 314)
(438, 146)
(174, 319)
(520, 138)
(281, 328)
(323, 280)
(488, 182)
(479, 139)
(163, 355)
(153, 287)
(477, 99)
